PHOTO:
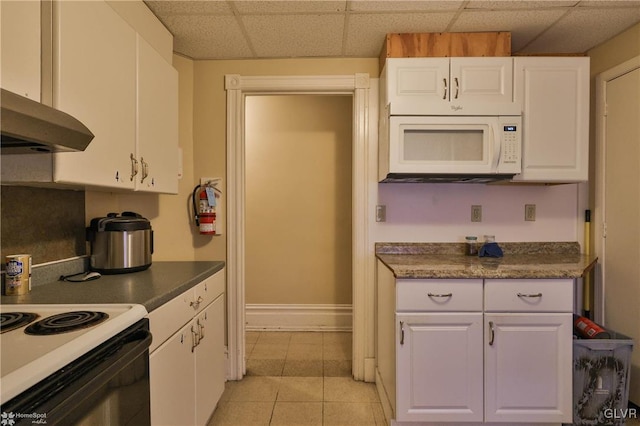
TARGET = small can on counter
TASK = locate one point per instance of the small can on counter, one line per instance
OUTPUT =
(18, 275)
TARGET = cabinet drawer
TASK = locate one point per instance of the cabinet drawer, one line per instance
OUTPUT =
(439, 295)
(529, 295)
(170, 317)
(209, 290)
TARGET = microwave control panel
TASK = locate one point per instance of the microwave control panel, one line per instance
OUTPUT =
(510, 157)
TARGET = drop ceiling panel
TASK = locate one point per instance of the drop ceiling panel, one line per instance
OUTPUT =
(524, 25)
(403, 6)
(276, 36)
(581, 29)
(166, 8)
(366, 32)
(299, 6)
(226, 29)
(208, 37)
(506, 5)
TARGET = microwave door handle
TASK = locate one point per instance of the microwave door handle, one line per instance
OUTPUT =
(497, 146)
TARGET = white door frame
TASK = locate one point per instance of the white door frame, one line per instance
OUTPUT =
(600, 214)
(358, 85)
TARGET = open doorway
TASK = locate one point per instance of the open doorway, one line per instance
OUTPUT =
(364, 114)
(298, 275)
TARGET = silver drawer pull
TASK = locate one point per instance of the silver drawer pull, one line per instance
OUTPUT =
(492, 333)
(440, 295)
(529, 295)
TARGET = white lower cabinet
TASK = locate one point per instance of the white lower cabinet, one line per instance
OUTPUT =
(439, 367)
(171, 372)
(209, 360)
(187, 359)
(528, 368)
(475, 351)
(528, 350)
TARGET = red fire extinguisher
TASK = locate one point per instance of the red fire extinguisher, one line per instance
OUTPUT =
(205, 209)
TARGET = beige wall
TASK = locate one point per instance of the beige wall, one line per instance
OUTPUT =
(606, 56)
(615, 51)
(298, 199)
(209, 115)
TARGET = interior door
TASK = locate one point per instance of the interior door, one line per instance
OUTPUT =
(621, 267)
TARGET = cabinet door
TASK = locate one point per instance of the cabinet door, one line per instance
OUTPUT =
(157, 119)
(528, 361)
(94, 80)
(439, 367)
(171, 373)
(554, 93)
(20, 49)
(481, 80)
(210, 362)
(415, 84)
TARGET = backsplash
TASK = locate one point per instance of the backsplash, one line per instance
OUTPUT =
(47, 223)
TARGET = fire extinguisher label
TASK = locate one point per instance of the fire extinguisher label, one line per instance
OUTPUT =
(211, 196)
(207, 228)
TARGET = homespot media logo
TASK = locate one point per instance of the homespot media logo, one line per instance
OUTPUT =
(10, 419)
(620, 413)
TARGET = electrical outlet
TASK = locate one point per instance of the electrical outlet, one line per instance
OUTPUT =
(476, 213)
(530, 212)
(381, 213)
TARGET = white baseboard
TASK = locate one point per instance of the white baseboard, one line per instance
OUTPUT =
(263, 317)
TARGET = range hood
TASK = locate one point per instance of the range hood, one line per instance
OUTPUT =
(28, 126)
(445, 178)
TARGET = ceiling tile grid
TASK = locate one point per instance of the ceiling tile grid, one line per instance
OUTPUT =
(238, 29)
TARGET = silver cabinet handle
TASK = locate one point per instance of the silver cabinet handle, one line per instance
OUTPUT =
(145, 170)
(445, 89)
(195, 339)
(457, 87)
(200, 331)
(402, 332)
(134, 166)
(492, 333)
(440, 294)
(196, 303)
(529, 295)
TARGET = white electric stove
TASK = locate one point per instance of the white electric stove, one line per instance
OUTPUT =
(70, 331)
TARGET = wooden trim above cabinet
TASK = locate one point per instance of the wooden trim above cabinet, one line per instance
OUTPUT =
(418, 45)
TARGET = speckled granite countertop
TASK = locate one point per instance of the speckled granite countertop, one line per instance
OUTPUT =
(520, 260)
(151, 288)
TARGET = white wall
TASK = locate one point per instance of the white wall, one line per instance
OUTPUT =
(427, 212)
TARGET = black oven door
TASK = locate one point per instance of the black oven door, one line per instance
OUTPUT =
(107, 386)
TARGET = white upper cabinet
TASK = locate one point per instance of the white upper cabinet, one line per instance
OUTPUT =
(157, 122)
(94, 78)
(108, 76)
(20, 48)
(447, 86)
(554, 93)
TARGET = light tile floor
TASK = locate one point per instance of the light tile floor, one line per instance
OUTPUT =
(298, 379)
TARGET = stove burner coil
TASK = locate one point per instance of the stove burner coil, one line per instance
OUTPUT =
(12, 320)
(66, 322)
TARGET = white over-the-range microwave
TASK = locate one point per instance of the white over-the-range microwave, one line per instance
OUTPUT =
(463, 148)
